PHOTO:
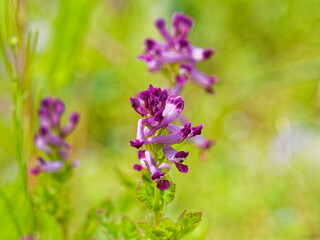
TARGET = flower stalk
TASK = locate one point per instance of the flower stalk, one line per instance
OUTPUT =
(17, 57)
(157, 214)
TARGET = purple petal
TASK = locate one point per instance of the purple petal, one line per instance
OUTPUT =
(155, 172)
(199, 77)
(137, 167)
(160, 24)
(201, 142)
(181, 25)
(75, 163)
(172, 138)
(137, 107)
(165, 166)
(142, 158)
(137, 143)
(182, 168)
(176, 157)
(198, 140)
(163, 184)
(28, 237)
(64, 154)
(70, 126)
(34, 171)
(51, 166)
(152, 62)
(46, 166)
(181, 79)
(57, 110)
(200, 54)
(171, 112)
(140, 135)
(56, 141)
(174, 57)
(196, 130)
(41, 144)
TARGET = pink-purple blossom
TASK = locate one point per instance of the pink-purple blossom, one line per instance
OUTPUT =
(158, 111)
(50, 138)
(178, 50)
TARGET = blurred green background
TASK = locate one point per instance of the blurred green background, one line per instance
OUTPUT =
(260, 181)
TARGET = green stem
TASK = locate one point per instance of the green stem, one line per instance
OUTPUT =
(157, 215)
(18, 136)
(64, 229)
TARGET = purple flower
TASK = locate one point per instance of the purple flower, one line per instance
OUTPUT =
(51, 135)
(172, 138)
(147, 161)
(176, 157)
(198, 140)
(193, 130)
(177, 50)
(181, 80)
(199, 77)
(138, 143)
(70, 126)
(28, 237)
(161, 111)
(181, 26)
(150, 101)
(155, 129)
(170, 113)
(46, 166)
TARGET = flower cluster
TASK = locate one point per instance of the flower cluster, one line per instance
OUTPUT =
(155, 130)
(178, 50)
(50, 138)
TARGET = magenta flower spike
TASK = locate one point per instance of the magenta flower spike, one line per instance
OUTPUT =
(155, 128)
(158, 108)
(177, 50)
(50, 138)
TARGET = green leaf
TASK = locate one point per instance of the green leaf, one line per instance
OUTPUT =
(112, 229)
(88, 229)
(145, 193)
(166, 229)
(167, 196)
(104, 211)
(124, 178)
(146, 190)
(129, 229)
(147, 229)
(189, 222)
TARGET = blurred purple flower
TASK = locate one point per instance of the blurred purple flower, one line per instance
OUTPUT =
(177, 50)
(46, 166)
(50, 138)
(28, 237)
